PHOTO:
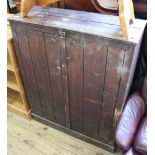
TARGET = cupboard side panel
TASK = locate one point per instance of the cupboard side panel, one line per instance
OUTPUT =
(115, 60)
(125, 83)
(39, 59)
(94, 68)
(74, 50)
(53, 50)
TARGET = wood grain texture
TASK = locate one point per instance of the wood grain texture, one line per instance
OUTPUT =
(64, 76)
(81, 76)
(46, 2)
(74, 50)
(29, 138)
(53, 50)
(126, 15)
(26, 6)
(87, 5)
(39, 60)
(81, 5)
(94, 66)
(115, 58)
(93, 23)
(24, 57)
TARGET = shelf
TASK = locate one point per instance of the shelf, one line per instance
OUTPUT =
(9, 64)
(9, 32)
(11, 81)
(16, 105)
(10, 68)
(14, 99)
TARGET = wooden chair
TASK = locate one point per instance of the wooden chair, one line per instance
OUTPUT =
(125, 11)
(26, 5)
(99, 5)
(125, 7)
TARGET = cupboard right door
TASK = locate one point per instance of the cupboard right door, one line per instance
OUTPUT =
(94, 71)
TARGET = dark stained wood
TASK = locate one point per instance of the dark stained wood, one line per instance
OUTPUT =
(81, 5)
(24, 56)
(140, 6)
(94, 6)
(77, 69)
(74, 50)
(127, 74)
(114, 66)
(90, 23)
(64, 76)
(39, 60)
(53, 49)
(94, 66)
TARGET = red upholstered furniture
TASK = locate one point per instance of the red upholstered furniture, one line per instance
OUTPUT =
(131, 132)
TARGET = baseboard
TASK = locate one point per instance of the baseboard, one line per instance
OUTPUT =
(73, 133)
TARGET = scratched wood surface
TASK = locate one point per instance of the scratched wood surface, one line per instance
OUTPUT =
(84, 22)
(76, 81)
(31, 137)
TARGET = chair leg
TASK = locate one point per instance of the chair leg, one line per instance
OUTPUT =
(26, 6)
(126, 15)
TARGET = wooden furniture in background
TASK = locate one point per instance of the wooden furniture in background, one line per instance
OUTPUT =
(111, 7)
(77, 69)
(26, 5)
(126, 10)
(8, 7)
(140, 6)
(16, 96)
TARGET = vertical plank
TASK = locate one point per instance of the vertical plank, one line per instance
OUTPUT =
(74, 50)
(24, 57)
(62, 4)
(38, 53)
(94, 66)
(53, 50)
(114, 65)
(125, 83)
(64, 76)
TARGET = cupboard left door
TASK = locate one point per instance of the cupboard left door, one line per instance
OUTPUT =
(36, 65)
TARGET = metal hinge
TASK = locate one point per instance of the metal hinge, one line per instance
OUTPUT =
(62, 33)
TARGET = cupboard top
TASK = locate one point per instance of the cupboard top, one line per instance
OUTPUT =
(83, 22)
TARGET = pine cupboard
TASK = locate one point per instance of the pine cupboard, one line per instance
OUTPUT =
(77, 69)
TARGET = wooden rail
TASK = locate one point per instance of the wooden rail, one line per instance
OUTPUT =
(26, 5)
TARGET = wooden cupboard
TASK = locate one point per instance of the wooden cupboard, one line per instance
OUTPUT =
(77, 69)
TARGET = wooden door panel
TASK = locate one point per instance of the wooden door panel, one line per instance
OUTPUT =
(115, 58)
(94, 69)
(28, 71)
(53, 49)
(74, 49)
(39, 59)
